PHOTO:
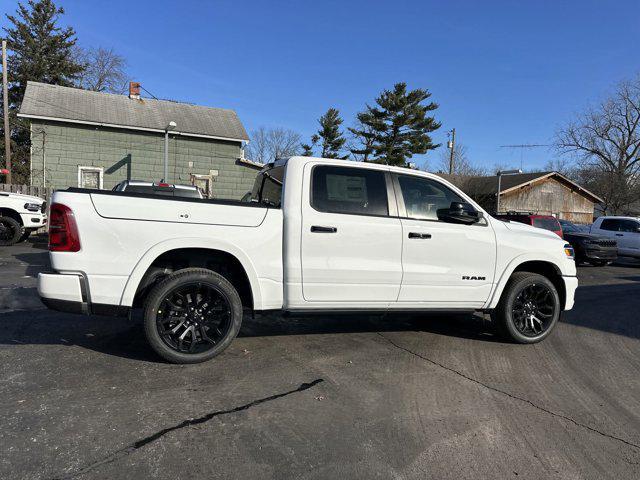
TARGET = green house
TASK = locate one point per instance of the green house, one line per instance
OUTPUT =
(90, 139)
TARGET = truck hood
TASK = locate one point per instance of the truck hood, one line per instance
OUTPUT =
(528, 229)
(26, 198)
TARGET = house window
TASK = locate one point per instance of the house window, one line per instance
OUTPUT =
(90, 177)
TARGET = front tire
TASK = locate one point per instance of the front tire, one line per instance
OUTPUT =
(24, 236)
(528, 309)
(192, 315)
(10, 231)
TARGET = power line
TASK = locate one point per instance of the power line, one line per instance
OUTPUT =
(522, 147)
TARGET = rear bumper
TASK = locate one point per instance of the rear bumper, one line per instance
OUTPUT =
(570, 286)
(70, 293)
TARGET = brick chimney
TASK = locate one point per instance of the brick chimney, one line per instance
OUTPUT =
(134, 90)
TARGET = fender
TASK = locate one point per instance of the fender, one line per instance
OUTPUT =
(515, 262)
(196, 242)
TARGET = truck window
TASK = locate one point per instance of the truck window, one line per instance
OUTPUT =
(423, 197)
(609, 224)
(267, 189)
(349, 190)
(629, 226)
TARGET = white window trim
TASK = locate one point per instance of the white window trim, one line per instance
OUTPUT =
(81, 169)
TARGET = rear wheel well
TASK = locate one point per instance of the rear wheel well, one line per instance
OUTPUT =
(217, 261)
(548, 270)
(8, 212)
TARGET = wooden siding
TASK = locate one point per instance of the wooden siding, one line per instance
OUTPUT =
(549, 197)
(128, 154)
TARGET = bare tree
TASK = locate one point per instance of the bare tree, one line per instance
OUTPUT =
(269, 144)
(605, 141)
(104, 70)
(462, 166)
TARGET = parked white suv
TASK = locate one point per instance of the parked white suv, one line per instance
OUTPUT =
(318, 235)
(626, 230)
(19, 216)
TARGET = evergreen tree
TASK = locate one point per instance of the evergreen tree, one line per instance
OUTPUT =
(41, 51)
(330, 134)
(398, 127)
(307, 148)
(363, 138)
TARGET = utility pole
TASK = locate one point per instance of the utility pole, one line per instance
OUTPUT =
(452, 147)
(5, 99)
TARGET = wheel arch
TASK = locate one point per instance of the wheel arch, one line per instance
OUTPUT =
(546, 268)
(173, 255)
(11, 213)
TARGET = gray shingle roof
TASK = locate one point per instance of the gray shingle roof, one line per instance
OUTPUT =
(83, 106)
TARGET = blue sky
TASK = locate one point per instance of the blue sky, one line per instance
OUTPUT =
(503, 72)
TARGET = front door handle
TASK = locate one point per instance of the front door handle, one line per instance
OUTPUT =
(619, 235)
(318, 229)
(423, 236)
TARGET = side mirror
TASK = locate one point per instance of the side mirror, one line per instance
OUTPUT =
(459, 212)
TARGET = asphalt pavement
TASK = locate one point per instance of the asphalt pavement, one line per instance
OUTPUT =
(322, 397)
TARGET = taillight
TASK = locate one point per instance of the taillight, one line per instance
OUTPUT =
(63, 231)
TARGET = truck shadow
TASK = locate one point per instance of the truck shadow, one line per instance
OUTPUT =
(605, 308)
(125, 338)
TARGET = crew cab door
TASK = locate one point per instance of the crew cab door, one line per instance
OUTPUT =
(350, 245)
(445, 264)
(625, 231)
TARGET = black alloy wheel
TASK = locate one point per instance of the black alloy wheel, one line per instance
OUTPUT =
(533, 309)
(529, 308)
(192, 315)
(10, 231)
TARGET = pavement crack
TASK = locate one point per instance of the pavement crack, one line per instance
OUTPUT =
(511, 395)
(132, 447)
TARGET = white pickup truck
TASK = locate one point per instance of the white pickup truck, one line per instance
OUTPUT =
(19, 216)
(317, 235)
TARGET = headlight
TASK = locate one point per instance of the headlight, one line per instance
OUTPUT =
(568, 251)
(32, 207)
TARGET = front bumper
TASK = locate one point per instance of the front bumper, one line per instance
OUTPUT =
(570, 286)
(607, 254)
(70, 293)
(33, 220)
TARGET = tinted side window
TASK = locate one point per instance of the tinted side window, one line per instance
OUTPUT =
(609, 225)
(349, 190)
(423, 197)
(628, 226)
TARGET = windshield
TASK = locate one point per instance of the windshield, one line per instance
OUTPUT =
(547, 224)
(267, 188)
(569, 227)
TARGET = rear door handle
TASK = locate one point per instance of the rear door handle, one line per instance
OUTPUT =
(619, 235)
(318, 229)
(423, 236)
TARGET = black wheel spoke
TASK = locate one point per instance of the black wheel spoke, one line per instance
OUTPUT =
(194, 318)
(533, 309)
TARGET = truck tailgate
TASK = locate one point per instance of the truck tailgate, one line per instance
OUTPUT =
(171, 209)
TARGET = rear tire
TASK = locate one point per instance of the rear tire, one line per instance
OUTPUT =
(10, 231)
(192, 315)
(528, 309)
